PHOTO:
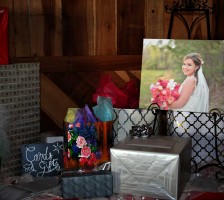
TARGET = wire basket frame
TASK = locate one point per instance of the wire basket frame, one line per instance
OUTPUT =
(205, 129)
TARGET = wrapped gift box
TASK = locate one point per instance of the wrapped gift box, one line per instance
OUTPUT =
(157, 166)
(76, 184)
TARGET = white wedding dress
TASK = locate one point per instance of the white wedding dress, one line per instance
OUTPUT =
(199, 100)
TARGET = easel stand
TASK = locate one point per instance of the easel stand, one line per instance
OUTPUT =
(182, 7)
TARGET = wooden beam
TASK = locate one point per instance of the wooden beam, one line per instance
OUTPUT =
(84, 63)
(53, 101)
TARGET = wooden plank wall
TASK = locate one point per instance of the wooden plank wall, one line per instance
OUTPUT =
(76, 41)
(95, 27)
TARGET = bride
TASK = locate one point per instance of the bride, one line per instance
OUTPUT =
(194, 92)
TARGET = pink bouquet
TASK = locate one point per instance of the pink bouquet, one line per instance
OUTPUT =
(164, 92)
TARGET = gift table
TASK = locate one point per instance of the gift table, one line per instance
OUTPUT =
(202, 182)
(198, 186)
(203, 185)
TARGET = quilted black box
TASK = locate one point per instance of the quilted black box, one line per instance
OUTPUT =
(87, 184)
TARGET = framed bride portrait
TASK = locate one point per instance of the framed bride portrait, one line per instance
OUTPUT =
(185, 75)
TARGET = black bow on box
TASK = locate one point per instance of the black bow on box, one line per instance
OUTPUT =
(141, 131)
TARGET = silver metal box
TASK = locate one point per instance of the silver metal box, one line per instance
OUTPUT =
(157, 166)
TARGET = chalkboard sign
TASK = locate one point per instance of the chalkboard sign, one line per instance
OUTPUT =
(42, 159)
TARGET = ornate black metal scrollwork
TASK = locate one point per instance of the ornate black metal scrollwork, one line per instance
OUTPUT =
(189, 5)
(143, 121)
(181, 6)
(216, 117)
(207, 133)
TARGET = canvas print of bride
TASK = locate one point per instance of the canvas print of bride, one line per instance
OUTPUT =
(185, 75)
(186, 78)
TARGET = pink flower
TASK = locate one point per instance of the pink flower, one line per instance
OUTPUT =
(81, 142)
(160, 87)
(164, 105)
(164, 92)
(78, 125)
(69, 136)
(85, 152)
(170, 99)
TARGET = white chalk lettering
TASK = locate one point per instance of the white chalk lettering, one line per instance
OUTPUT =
(43, 163)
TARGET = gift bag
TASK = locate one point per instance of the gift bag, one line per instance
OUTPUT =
(105, 115)
(3, 36)
(106, 139)
(81, 144)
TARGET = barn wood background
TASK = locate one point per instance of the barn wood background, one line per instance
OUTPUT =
(76, 41)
